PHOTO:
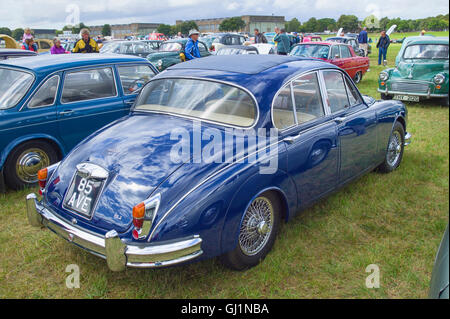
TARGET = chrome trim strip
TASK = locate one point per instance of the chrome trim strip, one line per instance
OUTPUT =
(200, 119)
(412, 94)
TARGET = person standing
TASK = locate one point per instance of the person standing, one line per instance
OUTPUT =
(57, 47)
(86, 44)
(259, 37)
(191, 50)
(363, 41)
(283, 42)
(422, 33)
(382, 45)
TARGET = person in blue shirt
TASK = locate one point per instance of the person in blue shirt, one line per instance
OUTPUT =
(191, 50)
(363, 41)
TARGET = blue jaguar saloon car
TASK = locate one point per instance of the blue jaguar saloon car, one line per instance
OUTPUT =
(48, 104)
(213, 156)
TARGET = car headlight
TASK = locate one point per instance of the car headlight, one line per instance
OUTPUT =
(439, 79)
(384, 76)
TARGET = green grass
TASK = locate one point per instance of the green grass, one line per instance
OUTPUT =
(395, 221)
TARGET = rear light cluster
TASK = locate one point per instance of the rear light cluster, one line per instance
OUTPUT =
(143, 216)
(44, 175)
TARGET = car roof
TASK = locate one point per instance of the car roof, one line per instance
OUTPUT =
(426, 39)
(16, 52)
(50, 63)
(241, 47)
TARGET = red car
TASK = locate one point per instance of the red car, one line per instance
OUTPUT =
(338, 54)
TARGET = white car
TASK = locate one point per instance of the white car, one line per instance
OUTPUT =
(265, 48)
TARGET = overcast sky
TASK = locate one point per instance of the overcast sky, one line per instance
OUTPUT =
(55, 13)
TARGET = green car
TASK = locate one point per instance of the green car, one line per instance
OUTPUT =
(439, 278)
(172, 52)
(421, 71)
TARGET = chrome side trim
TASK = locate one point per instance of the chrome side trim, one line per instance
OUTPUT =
(412, 94)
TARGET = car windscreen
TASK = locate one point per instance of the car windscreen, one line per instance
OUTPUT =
(202, 99)
(14, 85)
(426, 51)
(170, 47)
(337, 40)
(113, 47)
(311, 51)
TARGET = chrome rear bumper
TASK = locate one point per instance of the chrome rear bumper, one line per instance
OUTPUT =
(118, 254)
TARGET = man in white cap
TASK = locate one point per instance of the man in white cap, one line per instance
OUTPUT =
(191, 50)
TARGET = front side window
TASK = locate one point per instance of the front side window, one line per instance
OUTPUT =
(353, 95)
(134, 77)
(335, 54)
(336, 91)
(308, 101)
(46, 94)
(283, 114)
(88, 85)
(14, 85)
(426, 51)
(200, 99)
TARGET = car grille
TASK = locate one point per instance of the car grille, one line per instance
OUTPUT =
(409, 87)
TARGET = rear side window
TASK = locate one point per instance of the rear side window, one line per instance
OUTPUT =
(353, 95)
(46, 94)
(345, 52)
(308, 101)
(336, 91)
(88, 85)
(283, 114)
(134, 77)
(44, 45)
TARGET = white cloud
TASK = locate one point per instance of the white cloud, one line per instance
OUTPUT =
(52, 14)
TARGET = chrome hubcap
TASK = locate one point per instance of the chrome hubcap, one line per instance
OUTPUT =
(394, 149)
(29, 163)
(256, 226)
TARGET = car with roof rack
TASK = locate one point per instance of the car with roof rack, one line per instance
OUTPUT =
(214, 155)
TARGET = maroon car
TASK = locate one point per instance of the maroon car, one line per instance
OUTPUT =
(338, 54)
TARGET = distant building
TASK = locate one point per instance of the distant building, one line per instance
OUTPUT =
(44, 33)
(263, 23)
(120, 31)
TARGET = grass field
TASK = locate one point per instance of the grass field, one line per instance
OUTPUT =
(394, 221)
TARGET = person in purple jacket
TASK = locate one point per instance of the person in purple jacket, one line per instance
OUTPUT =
(57, 47)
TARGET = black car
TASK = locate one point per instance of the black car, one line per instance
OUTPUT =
(15, 53)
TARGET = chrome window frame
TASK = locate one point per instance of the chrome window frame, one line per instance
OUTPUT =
(256, 104)
(118, 66)
(37, 91)
(326, 93)
(114, 78)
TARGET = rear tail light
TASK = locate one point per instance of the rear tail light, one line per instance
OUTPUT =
(143, 215)
(42, 178)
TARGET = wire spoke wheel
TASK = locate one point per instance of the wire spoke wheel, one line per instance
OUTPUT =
(257, 226)
(394, 149)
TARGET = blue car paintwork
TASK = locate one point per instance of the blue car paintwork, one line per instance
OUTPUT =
(20, 123)
(209, 199)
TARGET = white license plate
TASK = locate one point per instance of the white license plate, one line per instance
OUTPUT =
(408, 98)
(83, 194)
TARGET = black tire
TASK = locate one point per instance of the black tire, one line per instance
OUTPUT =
(394, 152)
(358, 77)
(237, 259)
(386, 96)
(18, 178)
(445, 101)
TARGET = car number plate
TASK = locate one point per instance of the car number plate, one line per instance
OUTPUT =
(83, 194)
(410, 98)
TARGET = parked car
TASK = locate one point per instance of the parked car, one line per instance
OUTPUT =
(312, 38)
(137, 48)
(270, 36)
(356, 35)
(208, 41)
(157, 36)
(15, 53)
(237, 49)
(222, 39)
(141, 207)
(154, 44)
(341, 55)
(265, 48)
(44, 45)
(172, 52)
(351, 41)
(8, 42)
(439, 278)
(49, 103)
(421, 71)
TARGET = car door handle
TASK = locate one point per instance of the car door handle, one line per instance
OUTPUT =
(291, 139)
(66, 112)
(129, 102)
(339, 119)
